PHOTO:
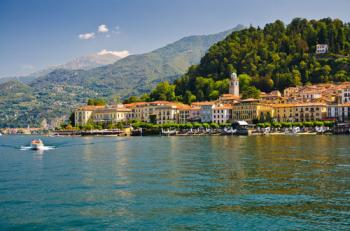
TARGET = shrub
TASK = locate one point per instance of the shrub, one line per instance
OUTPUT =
(318, 123)
(276, 124)
(214, 125)
(329, 123)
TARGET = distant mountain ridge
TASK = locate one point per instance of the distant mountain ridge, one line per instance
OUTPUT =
(81, 63)
(137, 74)
(56, 93)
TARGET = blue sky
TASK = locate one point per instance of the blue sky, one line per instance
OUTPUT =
(39, 33)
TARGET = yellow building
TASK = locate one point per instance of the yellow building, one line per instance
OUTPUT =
(300, 112)
(100, 114)
(110, 115)
(83, 114)
(284, 112)
(310, 112)
(159, 112)
(251, 109)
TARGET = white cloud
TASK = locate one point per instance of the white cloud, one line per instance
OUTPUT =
(121, 54)
(102, 28)
(87, 36)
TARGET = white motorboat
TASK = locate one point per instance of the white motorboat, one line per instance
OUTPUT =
(37, 145)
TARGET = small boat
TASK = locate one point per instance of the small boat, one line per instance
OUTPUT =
(37, 145)
(0, 134)
(168, 132)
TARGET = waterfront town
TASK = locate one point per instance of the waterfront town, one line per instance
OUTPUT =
(321, 102)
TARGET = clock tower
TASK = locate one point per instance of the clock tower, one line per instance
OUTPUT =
(234, 85)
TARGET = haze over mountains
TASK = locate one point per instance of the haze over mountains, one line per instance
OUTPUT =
(90, 61)
(51, 94)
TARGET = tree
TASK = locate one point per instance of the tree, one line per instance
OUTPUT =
(244, 81)
(251, 92)
(96, 102)
(71, 119)
(275, 57)
(214, 95)
(163, 91)
(132, 99)
(189, 97)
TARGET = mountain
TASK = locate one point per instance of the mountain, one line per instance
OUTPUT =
(87, 62)
(137, 74)
(54, 94)
(274, 57)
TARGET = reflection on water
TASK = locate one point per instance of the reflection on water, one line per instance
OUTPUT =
(243, 183)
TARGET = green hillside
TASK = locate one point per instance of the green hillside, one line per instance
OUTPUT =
(274, 57)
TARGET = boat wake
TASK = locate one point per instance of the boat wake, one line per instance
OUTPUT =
(45, 148)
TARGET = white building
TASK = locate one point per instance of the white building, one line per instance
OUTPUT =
(344, 95)
(221, 113)
(321, 48)
(206, 111)
(340, 112)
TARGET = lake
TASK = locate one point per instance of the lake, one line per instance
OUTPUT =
(176, 183)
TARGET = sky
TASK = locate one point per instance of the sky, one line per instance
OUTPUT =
(35, 34)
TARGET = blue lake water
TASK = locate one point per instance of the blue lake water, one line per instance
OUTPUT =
(176, 183)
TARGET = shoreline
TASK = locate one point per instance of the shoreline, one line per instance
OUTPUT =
(201, 134)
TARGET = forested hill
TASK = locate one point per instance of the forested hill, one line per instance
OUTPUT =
(274, 57)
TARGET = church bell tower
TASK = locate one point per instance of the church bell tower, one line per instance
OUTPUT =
(234, 85)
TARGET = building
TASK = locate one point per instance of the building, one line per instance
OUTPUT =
(284, 112)
(310, 112)
(272, 97)
(321, 48)
(160, 112)
(221, 113)
(252, 109)
(300, 112)
(101, 114)
(234, 85)
(339, 112)
(325, 92)
(228, 99)
(110, 115)
(206, 111)
(344, 95)
(83, 114)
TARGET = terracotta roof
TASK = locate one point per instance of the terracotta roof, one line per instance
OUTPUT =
(229, 96)
(203, 103)
(250, 100)
(134, 104)
(225, 106)
(344, 105)
(89, 108)
(108, 110)
(297, 105)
